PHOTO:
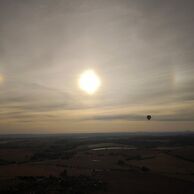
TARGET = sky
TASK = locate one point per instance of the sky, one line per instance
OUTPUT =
(141, 50)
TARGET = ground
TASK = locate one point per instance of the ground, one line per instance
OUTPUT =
(105, 163)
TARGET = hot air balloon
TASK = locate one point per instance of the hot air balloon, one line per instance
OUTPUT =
(149, 117)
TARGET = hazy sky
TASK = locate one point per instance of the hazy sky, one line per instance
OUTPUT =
(143, 50)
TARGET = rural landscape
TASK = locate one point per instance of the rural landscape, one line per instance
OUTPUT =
(109, 163)
(96, 97)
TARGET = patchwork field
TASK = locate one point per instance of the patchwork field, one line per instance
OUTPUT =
(97, 164)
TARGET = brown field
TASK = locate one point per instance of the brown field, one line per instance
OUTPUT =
(13, 170)
(17, 155)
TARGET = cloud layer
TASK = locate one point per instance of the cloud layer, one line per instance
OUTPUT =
(143, 51)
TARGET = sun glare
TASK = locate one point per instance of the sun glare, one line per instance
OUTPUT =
(89, 81)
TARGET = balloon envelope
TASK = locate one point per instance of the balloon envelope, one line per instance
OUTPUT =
(149, 117)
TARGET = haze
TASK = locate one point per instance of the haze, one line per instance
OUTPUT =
(142, 50)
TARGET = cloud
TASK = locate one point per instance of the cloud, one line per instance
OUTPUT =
(143, 117)
(118, 117)
(143, 51)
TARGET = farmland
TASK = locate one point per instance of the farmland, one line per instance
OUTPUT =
(97, 163)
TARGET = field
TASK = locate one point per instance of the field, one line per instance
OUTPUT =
(97, 163)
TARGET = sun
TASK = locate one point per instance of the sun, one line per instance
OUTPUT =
(89, 81)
